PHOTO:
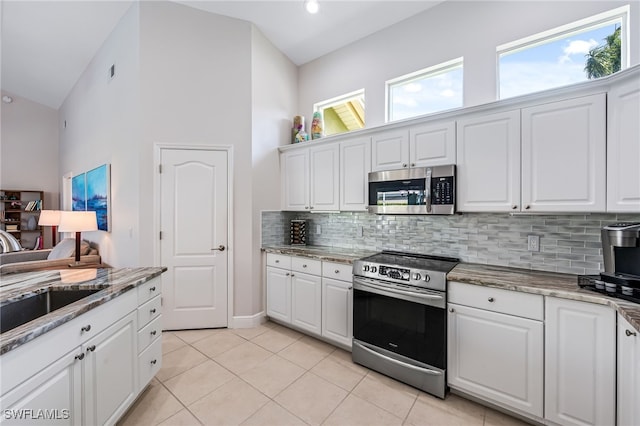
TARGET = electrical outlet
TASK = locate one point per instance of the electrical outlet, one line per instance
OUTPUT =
(533, 243)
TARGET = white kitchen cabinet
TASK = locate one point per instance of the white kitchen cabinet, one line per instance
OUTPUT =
(149, 315)
(495, 347)
(580, 363)
(337, 303)
(355, 165)
(488, 162)
(110, 372)
(324, 177)
(623, 148)
(564, 155)
(279, 294)
(294, 174)
(628, 374)
(306, 302)
(424, 145)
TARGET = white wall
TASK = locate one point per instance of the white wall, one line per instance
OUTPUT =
(273, 102)
(29, 150)
(469, 29)
(102, 126)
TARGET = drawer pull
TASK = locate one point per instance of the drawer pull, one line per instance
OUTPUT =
(153, 362)
(350, 288)
(80, 356)
(491, 299)
(153, 311)
(292, 275)
(153, 333)
(152, 288)
(630, 333)
(304, 266)
(513, 207)
(287, 274)
(451, 310)
(86, 328)
(91, 348)
(337, 271)
(277, 261)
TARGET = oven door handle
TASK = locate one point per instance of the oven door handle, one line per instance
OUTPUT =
(397, 362)
(386, 291)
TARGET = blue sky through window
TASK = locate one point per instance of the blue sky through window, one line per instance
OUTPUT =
(553, 64)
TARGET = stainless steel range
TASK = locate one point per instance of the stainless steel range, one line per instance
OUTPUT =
(399, 317)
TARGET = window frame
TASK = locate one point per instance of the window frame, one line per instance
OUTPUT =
(322, 105)
(432, 71)
(563, 31)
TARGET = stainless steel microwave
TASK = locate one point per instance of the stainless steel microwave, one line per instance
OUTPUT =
(418, 190)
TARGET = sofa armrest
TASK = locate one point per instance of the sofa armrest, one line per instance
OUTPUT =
(24, 256)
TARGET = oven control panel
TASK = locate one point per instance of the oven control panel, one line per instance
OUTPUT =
(414, 277)
(395, 273)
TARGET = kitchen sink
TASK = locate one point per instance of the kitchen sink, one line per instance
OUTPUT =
(30, 308)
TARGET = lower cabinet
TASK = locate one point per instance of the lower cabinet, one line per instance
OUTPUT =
(493, 355)
(306, 302)
(628, 374)
(279, 294)
(580, 363)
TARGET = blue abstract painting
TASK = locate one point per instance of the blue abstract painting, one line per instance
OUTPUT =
(98, 185)
(79, 193)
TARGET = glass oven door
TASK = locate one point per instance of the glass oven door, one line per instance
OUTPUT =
(409, 326)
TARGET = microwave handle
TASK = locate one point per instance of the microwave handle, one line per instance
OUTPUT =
(427, 190)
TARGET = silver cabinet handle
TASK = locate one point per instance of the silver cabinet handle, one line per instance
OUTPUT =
(491, 299)
(91, 348)
(152, 289)
(404, 164)
(304, 266)
(337, 271)
(630, 333)
(513, 207)
(413, 164)
(152, 311)
(310, 207)
(80, 357)
(350, 288)
(86, 328)
(292, 275)
(219, 248)
(153, 361)
(153, 333)
(451, 310)
(287, 274)
(527, 207)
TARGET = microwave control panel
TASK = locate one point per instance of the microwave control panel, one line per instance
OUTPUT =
(442, 190)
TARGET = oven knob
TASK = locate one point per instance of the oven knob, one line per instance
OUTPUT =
(374, 269)
(365, 268)
(427, 278)
(405, 275)
(417, 276)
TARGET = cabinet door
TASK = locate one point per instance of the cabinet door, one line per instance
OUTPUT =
(355, 165)
(496, 357)
(432, 144)
(488, 162)
(628, 374)
(111, 372)
(580, 363)
(306, 302)
(390, 150)
(324, 177)
(337, 311)
(279, 294)
(57, 389)
(294, 172)
(623, 148)
(564, 155)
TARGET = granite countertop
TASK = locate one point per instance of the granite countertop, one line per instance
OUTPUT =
(110, 282)
(325, 253)
(564, 286)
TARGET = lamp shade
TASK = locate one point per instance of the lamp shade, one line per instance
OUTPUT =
(49, 218)
(78, 221)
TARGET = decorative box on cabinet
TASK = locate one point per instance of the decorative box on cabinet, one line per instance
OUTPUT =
(580, 363)
(495, 346)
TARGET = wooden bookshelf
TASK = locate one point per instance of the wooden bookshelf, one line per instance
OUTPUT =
(19, 211)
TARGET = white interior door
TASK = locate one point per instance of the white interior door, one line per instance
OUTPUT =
(193, 220)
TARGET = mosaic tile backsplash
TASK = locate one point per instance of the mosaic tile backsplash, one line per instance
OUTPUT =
(568, 243)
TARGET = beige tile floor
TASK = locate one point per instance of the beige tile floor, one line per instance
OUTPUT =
(272, 375)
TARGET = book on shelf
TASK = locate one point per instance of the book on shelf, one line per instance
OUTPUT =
(33, 206)
(10, 227)
(39, 243)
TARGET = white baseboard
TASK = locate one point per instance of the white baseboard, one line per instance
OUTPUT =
(248, 321)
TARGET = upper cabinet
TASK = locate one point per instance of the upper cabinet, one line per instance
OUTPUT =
(294, 175)
(425, 145)
(550, 157)
(355, 165)
(623, 147)
(564, 148)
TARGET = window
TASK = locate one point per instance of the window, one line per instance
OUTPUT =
(342, 114)
(433, 89)
(590, 48)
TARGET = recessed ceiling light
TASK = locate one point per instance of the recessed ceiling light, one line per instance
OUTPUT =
(311, 6)
(7, 99)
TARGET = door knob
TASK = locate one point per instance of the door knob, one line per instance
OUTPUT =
(219, 248)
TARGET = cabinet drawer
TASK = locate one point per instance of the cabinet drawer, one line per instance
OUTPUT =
(149, 363)
(149, 311)
(149, 290)
(149, 333)
(306, 265)
(337, 271)
(497, 300)
(279, 260)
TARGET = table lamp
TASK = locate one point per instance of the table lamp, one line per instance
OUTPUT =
(50, 218)
(78, 222)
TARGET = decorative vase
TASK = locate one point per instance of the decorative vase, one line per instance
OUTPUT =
(32, 224)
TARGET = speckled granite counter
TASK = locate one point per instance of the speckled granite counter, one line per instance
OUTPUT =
(110, 282)
(328, 254)
(538, 282)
